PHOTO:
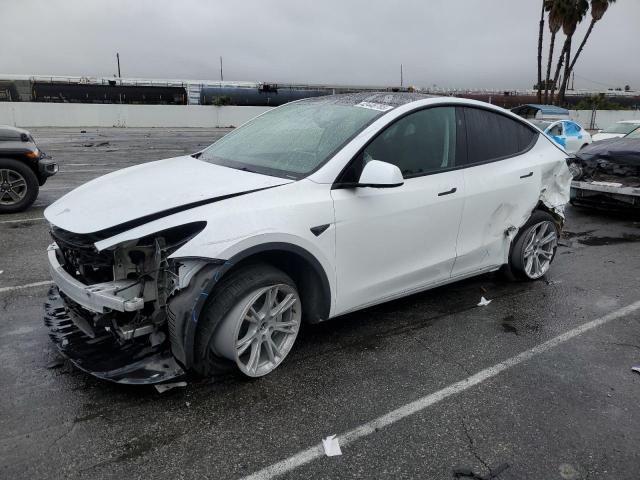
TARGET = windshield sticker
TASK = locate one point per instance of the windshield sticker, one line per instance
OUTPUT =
(374, 106)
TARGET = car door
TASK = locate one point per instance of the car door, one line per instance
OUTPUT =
(392, 241)
(573, 137)
(502, 182)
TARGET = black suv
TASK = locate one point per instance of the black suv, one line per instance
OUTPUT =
(23, 169)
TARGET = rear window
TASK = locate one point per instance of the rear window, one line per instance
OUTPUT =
(492, 136)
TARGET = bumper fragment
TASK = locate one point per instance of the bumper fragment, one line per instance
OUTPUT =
(102, 355)
(605, 194)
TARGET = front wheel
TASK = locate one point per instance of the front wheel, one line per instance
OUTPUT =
(534, 247)
(259, 329)
(18, 186)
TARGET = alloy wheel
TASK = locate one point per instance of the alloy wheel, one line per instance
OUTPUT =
(539, 248)
(259, 332)
(13, 187)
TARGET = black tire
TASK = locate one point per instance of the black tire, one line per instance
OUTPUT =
(515, 269)
(231, 289)
(32, 186)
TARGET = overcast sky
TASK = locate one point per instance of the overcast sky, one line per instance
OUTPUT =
(450, 43)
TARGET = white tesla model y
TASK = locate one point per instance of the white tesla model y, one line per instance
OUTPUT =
(307, 212)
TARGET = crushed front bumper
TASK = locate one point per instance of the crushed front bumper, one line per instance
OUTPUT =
(605, 195)
(98, 298)
(101, 355)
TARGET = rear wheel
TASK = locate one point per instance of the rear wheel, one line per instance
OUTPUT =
(252, 321)
(18, 186)
(534, 247)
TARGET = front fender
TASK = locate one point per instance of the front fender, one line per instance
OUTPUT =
(186, 308)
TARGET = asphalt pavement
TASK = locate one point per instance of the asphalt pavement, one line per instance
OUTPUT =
(536, 385)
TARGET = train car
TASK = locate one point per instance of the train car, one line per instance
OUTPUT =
(263, 95)
(110, 92)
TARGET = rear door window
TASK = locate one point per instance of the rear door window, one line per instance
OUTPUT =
(492, 136)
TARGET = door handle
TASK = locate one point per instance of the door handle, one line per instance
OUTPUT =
(448, 192)
(530, 174)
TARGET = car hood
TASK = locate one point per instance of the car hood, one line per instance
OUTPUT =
(622, 151)
(150, 190)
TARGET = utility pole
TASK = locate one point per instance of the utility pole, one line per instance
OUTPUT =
(401, 79)
(573, 81)
(118, 60)
(221, 77)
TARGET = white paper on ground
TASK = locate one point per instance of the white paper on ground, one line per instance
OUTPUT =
(163, 387)
(331, 446)
(484, 302)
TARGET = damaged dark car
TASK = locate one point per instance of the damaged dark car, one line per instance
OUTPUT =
(606, 174)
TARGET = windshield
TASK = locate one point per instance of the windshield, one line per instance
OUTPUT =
(622, 128)
(635, 133)
(290, 141)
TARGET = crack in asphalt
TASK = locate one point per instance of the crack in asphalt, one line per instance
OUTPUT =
(472, 447)
(64, 435)
(440, 355)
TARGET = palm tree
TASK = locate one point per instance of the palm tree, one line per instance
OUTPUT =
(598, 9)
(556, 10)
(540, 37)
(573, 15)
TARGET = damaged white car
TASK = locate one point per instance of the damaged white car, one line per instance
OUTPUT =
(310, 211)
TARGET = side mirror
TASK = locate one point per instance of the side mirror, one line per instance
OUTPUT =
(377, 174)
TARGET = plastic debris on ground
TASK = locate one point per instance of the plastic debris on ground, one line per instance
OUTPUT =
(163, 387)
(331, 446)
(484, 302)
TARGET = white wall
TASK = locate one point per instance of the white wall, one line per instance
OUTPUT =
(604, 118)
(33, 114)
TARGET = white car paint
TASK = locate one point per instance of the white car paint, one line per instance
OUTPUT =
(380, 243)
(115, 198)
(604, 134)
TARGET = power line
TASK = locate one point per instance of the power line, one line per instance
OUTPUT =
(596, 82)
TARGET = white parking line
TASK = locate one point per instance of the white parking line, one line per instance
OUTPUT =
(317, 451)
(28, 285)
(20, 220)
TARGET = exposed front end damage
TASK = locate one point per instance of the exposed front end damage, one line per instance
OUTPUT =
(607, 175)
(109, 312)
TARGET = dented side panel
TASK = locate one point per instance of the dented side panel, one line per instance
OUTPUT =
(500, 198)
